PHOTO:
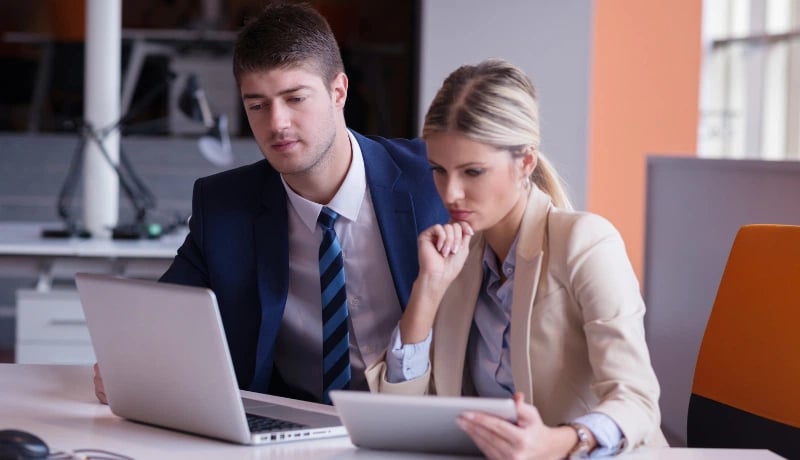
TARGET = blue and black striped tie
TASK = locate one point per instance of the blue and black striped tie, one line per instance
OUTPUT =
(335, 335)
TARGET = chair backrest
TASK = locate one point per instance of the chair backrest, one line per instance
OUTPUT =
(745, 391)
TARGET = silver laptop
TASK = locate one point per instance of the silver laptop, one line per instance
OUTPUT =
(164, 359)
(413, 423)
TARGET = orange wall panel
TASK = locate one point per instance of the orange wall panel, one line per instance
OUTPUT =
(643, 100)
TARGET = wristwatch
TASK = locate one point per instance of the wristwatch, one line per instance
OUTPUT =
(582, 448)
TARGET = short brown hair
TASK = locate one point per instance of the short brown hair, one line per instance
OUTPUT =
(286, 35)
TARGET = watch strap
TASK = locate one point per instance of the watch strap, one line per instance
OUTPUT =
(582, 448)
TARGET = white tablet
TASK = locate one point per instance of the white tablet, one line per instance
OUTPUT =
(413, 423)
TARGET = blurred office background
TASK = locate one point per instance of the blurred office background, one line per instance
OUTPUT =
(678, 121)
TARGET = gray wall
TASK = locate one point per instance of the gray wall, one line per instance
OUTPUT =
(550, 40)
(694, 209)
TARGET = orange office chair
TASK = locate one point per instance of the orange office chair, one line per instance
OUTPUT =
(746, 391)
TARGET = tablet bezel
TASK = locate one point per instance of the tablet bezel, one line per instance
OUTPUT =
(413, 423)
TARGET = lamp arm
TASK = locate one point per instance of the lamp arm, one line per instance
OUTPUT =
(139, 207)
(205, 109)
(67, 193)
(135, 190)
(140, 104)
(144, 193)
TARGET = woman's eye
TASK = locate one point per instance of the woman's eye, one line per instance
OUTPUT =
(473, 172)
(437, 169)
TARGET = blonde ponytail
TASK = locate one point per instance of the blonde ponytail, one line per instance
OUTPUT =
(494, 102)
(547, 179)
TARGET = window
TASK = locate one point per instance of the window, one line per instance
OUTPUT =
(750, 81)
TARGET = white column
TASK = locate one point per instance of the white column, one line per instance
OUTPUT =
(101, 109)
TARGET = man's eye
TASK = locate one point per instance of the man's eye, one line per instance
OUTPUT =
(295, 100)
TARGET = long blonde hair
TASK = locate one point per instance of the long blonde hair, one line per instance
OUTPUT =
(494, 102)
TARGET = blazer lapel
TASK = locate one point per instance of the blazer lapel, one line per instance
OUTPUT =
(527, 272)
(395, 214)
(454, 321)
(272, 258)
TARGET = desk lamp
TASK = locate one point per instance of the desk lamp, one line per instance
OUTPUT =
(214, 145)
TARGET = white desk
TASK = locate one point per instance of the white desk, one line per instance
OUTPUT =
(24, 253)
(57, 403)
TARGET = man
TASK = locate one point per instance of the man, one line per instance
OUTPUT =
(254, 238)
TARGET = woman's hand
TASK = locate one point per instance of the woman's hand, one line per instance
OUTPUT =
(442, 251)
(530, 438)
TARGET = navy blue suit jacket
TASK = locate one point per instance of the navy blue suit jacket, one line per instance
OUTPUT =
(238, 244)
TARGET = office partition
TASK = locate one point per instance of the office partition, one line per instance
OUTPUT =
(694, 209)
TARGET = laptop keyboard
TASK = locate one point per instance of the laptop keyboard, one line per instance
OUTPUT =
(261, 424)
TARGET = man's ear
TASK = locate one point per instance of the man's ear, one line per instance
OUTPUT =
(339, 90)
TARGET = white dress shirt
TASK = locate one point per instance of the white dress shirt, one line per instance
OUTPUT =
(374, 308)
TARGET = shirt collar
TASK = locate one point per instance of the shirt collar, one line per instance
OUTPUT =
(348, 198)
(490, 259)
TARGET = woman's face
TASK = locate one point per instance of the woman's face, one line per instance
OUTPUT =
(479, 184)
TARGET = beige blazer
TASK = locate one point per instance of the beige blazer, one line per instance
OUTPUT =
(577, 331)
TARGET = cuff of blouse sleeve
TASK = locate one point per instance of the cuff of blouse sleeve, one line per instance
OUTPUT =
(606, 431)
(407, 362)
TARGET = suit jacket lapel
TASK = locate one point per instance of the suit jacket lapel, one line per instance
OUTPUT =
(272, 256)
(526, 282)
(454, 321)
(394, 211)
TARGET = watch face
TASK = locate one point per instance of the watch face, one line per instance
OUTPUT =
(581, 450)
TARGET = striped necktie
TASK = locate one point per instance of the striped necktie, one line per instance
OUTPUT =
(335, 335)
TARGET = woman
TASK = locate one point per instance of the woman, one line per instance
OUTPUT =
(531, 299)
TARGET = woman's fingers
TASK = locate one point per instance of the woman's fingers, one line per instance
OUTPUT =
(495, 437)
(447, 239)
(457, 235)
(466, 228)
(462, 232)
(499, 438)
(456, 239)
(440, 235)
(527, 415)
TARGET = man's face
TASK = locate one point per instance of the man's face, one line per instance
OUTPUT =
(293, 115)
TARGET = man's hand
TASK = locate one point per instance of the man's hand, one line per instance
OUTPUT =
(99, 390)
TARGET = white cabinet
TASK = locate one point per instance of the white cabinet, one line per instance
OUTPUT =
(51, 328)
